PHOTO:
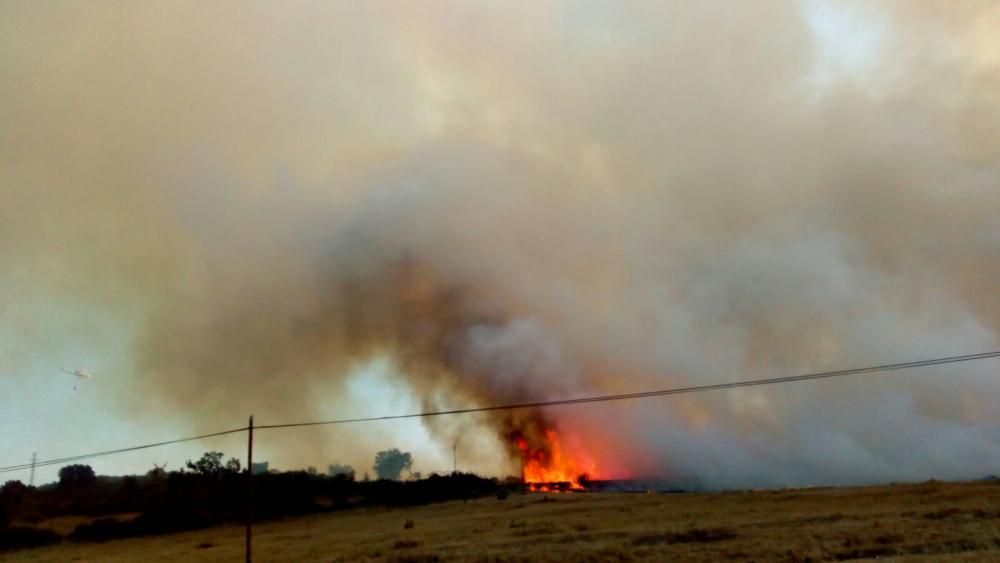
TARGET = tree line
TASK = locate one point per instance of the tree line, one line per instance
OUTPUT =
(210, 491)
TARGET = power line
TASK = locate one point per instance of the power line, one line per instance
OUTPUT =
(659, 393)
(537, 404)
(118, 451)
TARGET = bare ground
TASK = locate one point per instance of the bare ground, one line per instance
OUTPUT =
(926, 522)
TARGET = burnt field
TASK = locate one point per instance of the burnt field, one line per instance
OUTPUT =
(931, 521)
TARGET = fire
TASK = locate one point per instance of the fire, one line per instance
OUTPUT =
(543, 467)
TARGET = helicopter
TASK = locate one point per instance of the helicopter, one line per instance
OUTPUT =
(79, 373)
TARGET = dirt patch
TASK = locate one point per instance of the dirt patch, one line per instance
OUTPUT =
(693, 535)
(864, 553)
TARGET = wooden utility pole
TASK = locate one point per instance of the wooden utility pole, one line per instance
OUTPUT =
(454, 456)
(524, 482)
(34, 459)
(249, 488)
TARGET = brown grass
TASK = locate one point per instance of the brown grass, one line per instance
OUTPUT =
(65, 525)
(928, 522)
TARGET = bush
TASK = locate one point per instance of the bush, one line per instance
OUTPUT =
(105, 529)
(19, 537)
(149, 523)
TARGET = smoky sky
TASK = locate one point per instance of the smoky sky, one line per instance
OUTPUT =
(527, 201)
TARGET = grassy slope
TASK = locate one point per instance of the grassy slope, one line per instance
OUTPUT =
(931, 521)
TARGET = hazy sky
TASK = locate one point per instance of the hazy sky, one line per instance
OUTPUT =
(326, 210)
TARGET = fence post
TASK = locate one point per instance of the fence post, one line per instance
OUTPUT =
(249, 488)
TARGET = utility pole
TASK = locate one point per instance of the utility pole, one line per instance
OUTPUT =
(34, 459)
(249, 488)
(524, 483)
(454, 456)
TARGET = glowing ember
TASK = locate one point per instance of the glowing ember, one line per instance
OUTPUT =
(553, 463)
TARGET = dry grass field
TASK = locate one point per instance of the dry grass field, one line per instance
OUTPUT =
(926, 522)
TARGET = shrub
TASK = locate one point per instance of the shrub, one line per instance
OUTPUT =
(19, 537)
(105, 529)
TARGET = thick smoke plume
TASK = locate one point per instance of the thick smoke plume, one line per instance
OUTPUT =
(530, 202)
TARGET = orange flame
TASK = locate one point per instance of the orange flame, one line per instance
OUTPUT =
(553, 463)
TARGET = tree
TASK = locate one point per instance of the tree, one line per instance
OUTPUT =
(209, 464)
(339, 469)
(12, 494)
(390, 464)
(234, 465)
(13, 491)
(73, 476)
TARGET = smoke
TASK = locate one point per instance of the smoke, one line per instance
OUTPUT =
(522, 204)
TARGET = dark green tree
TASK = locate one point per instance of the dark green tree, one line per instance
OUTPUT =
(13, 491)
(233, 465)
(75, 476)
(390, 464)
(209, 464)
(12, 494)
(336, 469)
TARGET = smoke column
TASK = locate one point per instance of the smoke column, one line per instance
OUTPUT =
(525, 203)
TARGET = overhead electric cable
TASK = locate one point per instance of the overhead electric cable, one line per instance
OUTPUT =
(539, 404)
(658, 393)
(117, 451)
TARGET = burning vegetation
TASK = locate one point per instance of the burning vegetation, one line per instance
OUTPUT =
(548, 463)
